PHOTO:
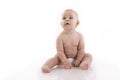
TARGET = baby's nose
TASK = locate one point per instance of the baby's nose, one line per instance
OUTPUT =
(67, 19)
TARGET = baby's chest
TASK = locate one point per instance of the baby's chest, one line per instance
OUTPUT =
(70, 41)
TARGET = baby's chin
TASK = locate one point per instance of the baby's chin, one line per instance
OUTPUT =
(67, 26)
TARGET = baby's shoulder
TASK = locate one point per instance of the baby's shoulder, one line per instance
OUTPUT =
(78, 33)
(60, 36)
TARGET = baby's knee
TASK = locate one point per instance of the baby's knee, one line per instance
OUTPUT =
(88, 56)
(55, 58)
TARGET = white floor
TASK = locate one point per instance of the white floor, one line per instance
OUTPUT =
(98, 71)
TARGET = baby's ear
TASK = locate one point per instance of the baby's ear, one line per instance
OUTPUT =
(78, 22)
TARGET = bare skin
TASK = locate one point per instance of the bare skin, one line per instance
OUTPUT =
(69, 44)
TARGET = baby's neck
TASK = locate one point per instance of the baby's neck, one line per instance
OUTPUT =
(69, 32)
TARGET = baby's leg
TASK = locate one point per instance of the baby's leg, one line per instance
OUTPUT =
(50, 64)
(85, 63)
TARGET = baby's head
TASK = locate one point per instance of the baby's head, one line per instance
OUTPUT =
(69, 19)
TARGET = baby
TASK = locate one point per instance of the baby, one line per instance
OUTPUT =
(69, 44)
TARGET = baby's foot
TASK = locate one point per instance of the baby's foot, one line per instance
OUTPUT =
(45, 69)
(84, 66)
(67, 65)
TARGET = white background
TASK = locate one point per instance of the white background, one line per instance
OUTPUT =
(28, 31)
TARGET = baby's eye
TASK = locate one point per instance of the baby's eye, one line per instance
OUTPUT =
(64, 18)
(70, 17)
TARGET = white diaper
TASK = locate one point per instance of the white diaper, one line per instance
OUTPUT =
(70, 59)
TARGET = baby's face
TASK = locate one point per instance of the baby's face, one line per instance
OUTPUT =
(69, 20)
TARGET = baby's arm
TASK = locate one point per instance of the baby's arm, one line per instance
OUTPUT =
(61, 54)
(80, 53)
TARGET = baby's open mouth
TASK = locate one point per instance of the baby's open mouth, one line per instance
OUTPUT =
(67, 23)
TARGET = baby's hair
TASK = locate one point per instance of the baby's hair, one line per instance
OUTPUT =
(72, 11)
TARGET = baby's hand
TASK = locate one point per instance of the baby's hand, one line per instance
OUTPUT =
(76, 63)
(67, 65)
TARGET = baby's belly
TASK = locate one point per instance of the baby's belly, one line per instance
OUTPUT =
(71, 52)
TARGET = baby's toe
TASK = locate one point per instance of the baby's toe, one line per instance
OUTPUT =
(45, 69)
